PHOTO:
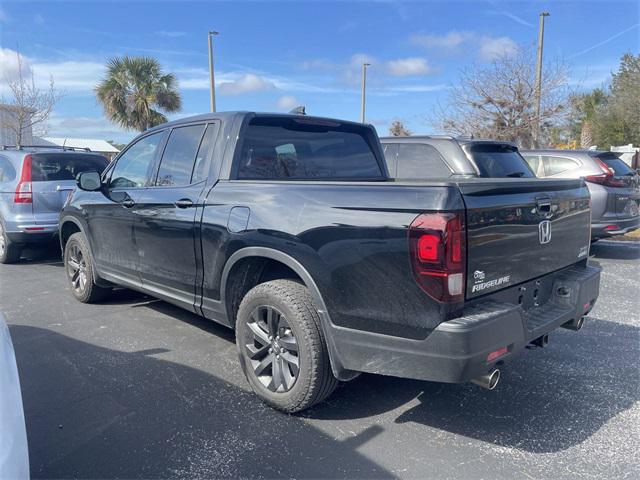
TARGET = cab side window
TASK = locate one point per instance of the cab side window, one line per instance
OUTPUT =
(132, 167)
(179, 156)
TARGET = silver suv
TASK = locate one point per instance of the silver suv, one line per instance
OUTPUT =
(34, 185)
(614, 186)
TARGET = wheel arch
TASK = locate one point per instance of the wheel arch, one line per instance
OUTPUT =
(305, 277)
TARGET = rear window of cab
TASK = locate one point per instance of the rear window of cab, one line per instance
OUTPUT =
(306, 148)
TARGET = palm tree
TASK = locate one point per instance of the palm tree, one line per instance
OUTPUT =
(136, 92)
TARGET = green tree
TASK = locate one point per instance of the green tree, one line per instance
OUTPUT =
(136, 92)
(621, 121)
(585, 110)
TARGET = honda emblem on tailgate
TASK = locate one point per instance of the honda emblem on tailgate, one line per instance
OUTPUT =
(544, 232)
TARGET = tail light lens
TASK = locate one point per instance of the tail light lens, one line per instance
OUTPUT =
(606, 178)
(23, 192)
(438, 254)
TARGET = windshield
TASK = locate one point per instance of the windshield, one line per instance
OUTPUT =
(48, 167)
(495, 160)
(306, 148)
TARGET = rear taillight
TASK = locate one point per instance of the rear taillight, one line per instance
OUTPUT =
(438, 254)
(606, 178)
(23, 192)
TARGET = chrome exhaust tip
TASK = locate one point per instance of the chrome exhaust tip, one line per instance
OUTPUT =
(574, 324)
(488, 380)
(542, 341)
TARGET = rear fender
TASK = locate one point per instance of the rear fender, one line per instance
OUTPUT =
(338, 369)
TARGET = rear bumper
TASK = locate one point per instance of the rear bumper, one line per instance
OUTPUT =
(456, 351)
(602, 230)
(32, 233)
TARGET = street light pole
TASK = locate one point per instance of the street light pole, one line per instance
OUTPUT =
(211, 76)
(364, 90)
(536, 130)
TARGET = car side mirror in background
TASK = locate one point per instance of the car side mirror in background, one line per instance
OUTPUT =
(89, 181)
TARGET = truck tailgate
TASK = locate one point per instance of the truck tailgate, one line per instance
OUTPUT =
(520, 229)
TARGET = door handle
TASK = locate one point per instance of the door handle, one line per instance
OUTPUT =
(128, 203)
(184, 203)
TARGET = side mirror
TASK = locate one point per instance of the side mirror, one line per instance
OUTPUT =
(89, 181)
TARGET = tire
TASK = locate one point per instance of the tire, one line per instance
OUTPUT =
(78, 266)
(298, 339)
(9, 251)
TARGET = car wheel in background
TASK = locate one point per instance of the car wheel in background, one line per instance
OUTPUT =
(282, 348)
(9, 251)
(78, 266)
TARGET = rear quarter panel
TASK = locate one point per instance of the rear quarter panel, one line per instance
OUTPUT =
(351, 238)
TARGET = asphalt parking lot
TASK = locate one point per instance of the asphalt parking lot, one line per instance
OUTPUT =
(135, 387)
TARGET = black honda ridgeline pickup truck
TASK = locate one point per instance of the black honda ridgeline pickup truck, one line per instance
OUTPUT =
(288, 229)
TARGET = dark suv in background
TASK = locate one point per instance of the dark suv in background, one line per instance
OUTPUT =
(613, 185)
(443, 156)
(34, 184)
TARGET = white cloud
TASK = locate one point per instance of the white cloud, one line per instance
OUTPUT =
(71, 76)
(86, 127)
(488, 48)
(492, 48)
(287, 102)
(171, 33)
(38, 19)
(404, 67)
(68, 76)
(9, 65)
(247, 83)
(448, 41)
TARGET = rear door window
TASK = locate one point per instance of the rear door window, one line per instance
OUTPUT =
(535, 164)
(7, 172)
(286, 148)
(495, 160)
(555, 165)
(179, 156)
(133, 166)
(391, 157)
(420, 161)
(55, 167)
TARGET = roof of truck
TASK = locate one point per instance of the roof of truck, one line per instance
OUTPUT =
(226, 116)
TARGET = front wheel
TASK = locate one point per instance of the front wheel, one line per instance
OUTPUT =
(282, 348)
(79, 268)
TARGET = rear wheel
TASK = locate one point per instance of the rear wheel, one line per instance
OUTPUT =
(282, 348)
(79, 268)
(9, 251)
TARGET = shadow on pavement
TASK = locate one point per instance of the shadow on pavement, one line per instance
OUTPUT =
(615, 250)
(42, 253)
(548, 400)
(94, 412)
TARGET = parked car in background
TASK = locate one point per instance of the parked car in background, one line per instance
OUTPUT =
(613, 185)
(34, 184)
(289, 229)
(14, 454)
(443, 156)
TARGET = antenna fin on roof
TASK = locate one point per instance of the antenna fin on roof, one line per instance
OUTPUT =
(298, 110)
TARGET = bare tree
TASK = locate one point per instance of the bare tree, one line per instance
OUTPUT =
(397, 129)
(498, 100)
(28, 105)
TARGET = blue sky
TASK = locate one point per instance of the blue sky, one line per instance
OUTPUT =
(271, 56)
